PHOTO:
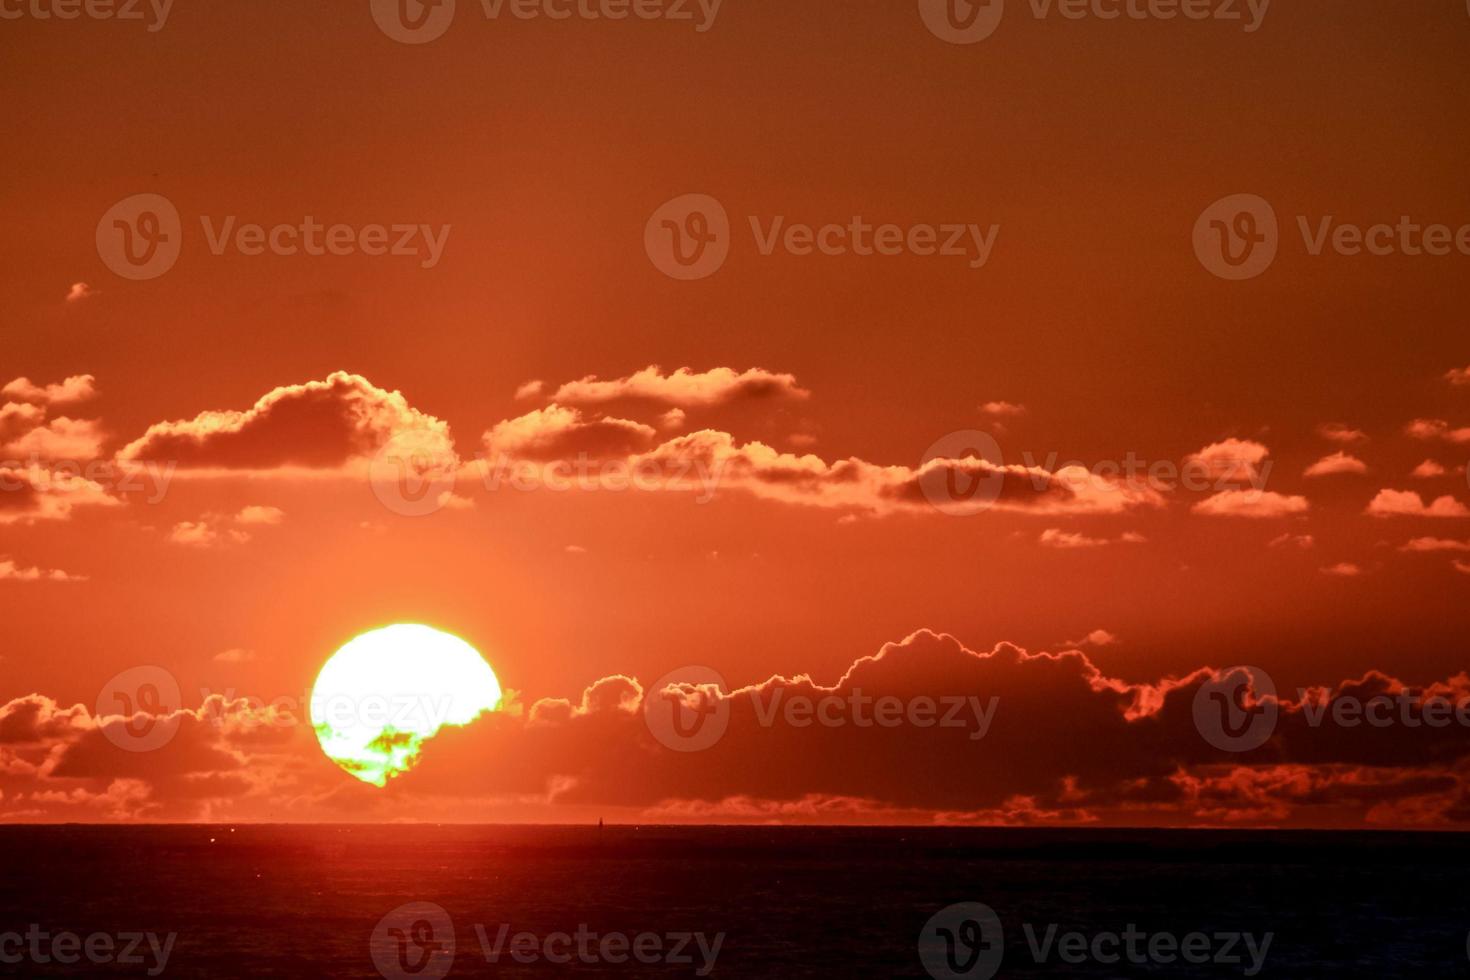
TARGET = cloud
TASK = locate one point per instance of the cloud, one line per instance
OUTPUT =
(1437, 430)
(1428, 470)
(557, 432)
(1336, 464)
(77, 388)
(17, 418)
(449, 500)
(1054, 537)
(684, 388)
(59, 439)
(36, 493)
(1426, 545)
(1301, 541)
(1343, 569)
(79, 291)
(258, 514)
(1342, 434)
(1462, 566)
(1002, 410)
(1407, 503)
(322, 425)
(11, 572)
(1071, 540)
(1257, 504)
(1097, 638)
(1113, 752)
(1234, 460)
(530, 389)
(1458, 376)
(59, 763)
(855, 484)
(217, 529)
(202, 534)
(234, 656)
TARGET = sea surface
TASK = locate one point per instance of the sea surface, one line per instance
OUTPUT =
(415, 901)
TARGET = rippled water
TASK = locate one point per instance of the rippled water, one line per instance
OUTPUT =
(275, 901)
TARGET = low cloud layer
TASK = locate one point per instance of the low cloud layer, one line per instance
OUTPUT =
(320, 425)
(946, 735)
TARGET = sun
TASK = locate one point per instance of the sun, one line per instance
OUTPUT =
(387, 692)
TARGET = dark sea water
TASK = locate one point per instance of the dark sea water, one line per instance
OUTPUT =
(306, 901)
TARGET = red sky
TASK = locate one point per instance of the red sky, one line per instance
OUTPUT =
(1092, 334)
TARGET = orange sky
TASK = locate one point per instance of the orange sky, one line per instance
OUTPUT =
(541, 148)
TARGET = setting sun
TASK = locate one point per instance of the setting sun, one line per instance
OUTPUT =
(387, 692)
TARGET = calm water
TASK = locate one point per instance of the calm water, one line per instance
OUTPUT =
(305, 901)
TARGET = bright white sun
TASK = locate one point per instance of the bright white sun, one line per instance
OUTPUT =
(383, 695)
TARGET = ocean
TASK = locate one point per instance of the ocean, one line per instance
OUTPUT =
(477, 901)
